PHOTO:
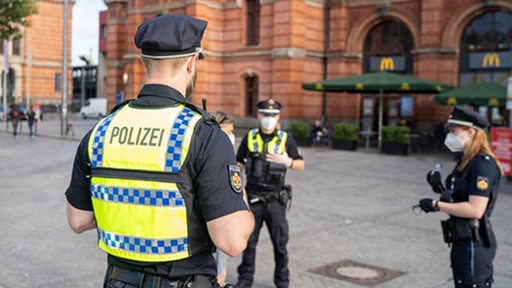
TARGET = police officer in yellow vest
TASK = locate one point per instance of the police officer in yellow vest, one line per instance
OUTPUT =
(266, 153)
(157, 177)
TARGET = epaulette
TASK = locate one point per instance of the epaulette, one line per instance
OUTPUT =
(207, 117)
(120, 105)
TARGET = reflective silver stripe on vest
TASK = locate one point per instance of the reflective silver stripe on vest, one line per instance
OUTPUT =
(174, 147)
(278, 142)
(98, 142)
(137, 196)
(255, 140)
(142, 245)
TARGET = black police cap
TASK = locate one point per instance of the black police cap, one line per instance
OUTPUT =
(465, 117)
(170, 36)
(269, 106)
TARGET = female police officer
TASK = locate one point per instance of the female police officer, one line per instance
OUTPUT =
(472, 190)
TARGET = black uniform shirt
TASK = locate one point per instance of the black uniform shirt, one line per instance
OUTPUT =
(208, 159)
(481, 177)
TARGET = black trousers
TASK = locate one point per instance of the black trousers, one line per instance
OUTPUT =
(472, 264)
(273, 214)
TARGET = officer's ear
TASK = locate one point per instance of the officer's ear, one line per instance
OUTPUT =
(191, 63)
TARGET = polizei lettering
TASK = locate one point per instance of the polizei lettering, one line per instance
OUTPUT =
(138, 136)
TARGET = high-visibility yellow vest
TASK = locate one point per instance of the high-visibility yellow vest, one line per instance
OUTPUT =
(276, 145)
(264, 176)
(137, 157)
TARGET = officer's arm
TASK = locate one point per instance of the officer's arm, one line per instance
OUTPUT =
(80, 220)
(293, 151)
(298, 164)
(473, 209)
(482, 174)
(231, 232)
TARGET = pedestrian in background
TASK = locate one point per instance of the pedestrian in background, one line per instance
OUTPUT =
(166, 194)
(228, 126)
(31, 120)
(468, 197)
(14, 117)
(266, 153)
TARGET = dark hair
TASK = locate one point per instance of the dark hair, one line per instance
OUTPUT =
(222, 117)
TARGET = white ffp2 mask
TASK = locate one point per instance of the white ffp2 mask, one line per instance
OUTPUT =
(454, 143)
(268, 123)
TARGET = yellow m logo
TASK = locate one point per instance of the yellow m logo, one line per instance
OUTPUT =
(387, 63)
(452, 101)
(493, 102)
(319, 86)
(491, 60)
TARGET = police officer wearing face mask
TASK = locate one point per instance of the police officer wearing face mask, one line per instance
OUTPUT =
(266, 153)
(468, 197)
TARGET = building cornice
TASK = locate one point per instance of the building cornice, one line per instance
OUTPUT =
(115, 64)
(421, 51)
(295, 53)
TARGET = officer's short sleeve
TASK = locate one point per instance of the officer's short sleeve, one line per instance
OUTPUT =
(78, 191)
(219, 180)
(242, 152)
(483, 175)
(292, 148)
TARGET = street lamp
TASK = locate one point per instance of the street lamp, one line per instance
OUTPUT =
(64, 104)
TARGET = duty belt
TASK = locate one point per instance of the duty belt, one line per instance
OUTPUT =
(263, 197)
(140, 279)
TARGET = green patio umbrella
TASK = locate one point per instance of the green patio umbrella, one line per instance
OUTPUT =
(479, 94)
(378, 82)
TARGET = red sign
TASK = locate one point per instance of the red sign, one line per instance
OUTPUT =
(501, 143)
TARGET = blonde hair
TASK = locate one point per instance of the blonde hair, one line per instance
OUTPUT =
(222, 118)
(480, 144)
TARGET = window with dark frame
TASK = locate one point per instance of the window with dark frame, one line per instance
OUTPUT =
(16, 46)
(253, 22)
(104, 31)
(251, 96)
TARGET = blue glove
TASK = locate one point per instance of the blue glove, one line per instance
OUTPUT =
(427, 205)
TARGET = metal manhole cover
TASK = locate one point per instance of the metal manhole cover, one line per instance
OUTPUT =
(357, 273)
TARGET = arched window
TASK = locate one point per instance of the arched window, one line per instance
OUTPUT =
(251, 96)
(486, 48)
(491, 31)
(387, 47)
(253, 22)
(486, 55)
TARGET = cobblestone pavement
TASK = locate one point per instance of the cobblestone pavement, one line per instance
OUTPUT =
(353, 206)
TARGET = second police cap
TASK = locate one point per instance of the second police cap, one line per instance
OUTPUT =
(170, 36)
(269, 106)
(469, 118)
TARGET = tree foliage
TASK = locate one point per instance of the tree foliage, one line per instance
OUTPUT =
(13, 16)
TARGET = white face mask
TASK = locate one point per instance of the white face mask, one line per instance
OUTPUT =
(232, 139)
(454, 142)
(268, 123)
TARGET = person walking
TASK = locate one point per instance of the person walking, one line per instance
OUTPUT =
(266, 153)
(227, 125)
(31, 120)
(14, 117)
(157, 177)
(468, 197)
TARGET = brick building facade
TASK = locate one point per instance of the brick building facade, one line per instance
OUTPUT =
(257, 49)
(36, 58)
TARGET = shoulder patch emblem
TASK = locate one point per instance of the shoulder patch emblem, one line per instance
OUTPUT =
(235, 178)
(482, 183)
